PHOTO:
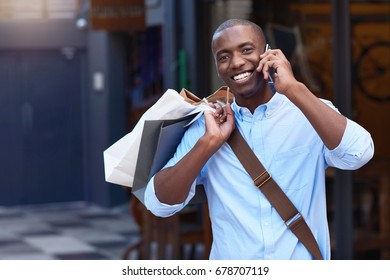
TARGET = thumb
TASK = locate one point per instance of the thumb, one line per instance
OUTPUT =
(229, 112)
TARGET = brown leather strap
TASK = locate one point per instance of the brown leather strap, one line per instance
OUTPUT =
(282, 204)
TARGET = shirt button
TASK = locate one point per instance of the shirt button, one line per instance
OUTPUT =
(268, 257)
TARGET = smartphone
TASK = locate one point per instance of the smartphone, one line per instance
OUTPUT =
(271, 71)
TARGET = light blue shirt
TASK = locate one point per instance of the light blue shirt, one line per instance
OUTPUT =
(244, 224)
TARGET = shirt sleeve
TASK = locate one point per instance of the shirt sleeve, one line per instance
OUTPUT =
(158, 208)
(355, 149)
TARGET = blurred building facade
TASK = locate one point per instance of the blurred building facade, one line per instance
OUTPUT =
(76, 75)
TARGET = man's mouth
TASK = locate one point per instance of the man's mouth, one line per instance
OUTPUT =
(241, 76)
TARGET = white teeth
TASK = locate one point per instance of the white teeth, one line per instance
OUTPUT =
(241, 76)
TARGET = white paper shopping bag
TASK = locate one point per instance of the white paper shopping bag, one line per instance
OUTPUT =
(120, 159)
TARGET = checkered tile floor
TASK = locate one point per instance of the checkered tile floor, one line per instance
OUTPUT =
(72, 231)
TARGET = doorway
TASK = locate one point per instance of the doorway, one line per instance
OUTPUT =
(41, 143)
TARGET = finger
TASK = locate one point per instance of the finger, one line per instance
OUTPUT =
(264, 57)
(212, 105)
(279, 54)
(229, 113)
(264, 61)
(208, 114)
(210, 119)
(273, 69)
(260, 66)
(219, 111)
(268, 52)
(222, 119)
(265, 70)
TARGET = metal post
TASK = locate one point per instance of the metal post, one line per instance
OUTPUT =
(189, 43)
(170, 45)
(343, 195)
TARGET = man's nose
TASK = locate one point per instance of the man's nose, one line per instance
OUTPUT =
(237, 61)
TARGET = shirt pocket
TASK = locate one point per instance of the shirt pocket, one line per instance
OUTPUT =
(293, 169)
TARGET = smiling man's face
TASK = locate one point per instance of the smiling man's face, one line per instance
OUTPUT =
(237, 53)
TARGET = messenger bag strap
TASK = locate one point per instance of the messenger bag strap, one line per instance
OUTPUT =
(263, 181)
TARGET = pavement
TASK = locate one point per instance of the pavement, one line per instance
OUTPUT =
(66, 231)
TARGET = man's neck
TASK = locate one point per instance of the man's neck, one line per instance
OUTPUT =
(252, 102)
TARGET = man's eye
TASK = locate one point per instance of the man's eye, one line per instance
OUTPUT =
(247, 50)
(223, 58)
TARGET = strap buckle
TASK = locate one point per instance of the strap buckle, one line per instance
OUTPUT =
(290, 222)
(260, 180)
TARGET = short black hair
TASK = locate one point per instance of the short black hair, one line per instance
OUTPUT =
(235, 22)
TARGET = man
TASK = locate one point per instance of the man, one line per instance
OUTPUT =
(295, 135)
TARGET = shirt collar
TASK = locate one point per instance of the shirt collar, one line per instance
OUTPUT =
(266, 109)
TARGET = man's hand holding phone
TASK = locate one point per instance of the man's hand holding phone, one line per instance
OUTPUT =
(276, 68)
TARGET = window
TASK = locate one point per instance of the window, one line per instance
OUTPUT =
(38, 9)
